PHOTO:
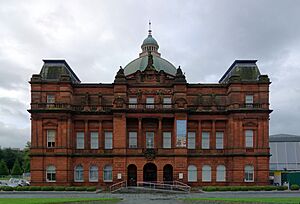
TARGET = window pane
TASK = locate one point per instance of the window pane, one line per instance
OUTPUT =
(206, 173)
(167, 140)
(149, 140)
(191, 140)
(219, 140)
(205, 140)
(80, 140)
(181, 133)
(50, 98)
(94, 140)
(79, 173)
(249, 173)
(150, 102)
(93, 173)
(107, 173)
(167, 102)
(51, 138)
(249, 138)
(132, 139)
(108, 140)
(221, 173)
(51, 174)
(132, 102)
(192, 173)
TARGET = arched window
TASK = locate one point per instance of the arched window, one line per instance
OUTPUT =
(249, 173)
(107, 173)
(221, 173)
(78, 173)
(206, 173)
(93, 173)
(51, 174)
(192, 173)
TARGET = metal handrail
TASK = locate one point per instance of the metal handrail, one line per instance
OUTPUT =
(117, 186)
(175, 185)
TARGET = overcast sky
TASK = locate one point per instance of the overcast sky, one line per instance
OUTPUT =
(96, 37)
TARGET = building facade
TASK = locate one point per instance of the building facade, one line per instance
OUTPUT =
(149, 125)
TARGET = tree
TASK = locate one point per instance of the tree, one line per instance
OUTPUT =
(3, 168)
(26, 158)
(16, 170)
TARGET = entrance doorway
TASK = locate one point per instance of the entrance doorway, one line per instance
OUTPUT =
(168, 173)
(131, 175)
(150, 172)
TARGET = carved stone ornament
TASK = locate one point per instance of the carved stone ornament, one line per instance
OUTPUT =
(150, 154)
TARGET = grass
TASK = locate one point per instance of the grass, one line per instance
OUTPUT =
(295, 200)
(54, 200)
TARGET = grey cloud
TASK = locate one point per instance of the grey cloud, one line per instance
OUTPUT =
(204, 37)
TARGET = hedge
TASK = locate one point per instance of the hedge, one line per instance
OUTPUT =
(48, 188)
(245, 188)
(294, 187)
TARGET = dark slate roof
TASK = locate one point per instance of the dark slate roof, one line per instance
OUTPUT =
(284, 138)
(54, 68)
(247, 70)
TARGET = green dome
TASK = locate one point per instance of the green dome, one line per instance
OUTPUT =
(141, 64)
(150, 41)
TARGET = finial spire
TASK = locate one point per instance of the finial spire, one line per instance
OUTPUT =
(150, 28)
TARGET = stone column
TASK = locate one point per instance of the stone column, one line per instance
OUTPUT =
(213, 136)
(86, 135)
(159, 134)
(140, 134)
(100, 136)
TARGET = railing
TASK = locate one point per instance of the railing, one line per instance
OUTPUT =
(118, 186)
(149, 106)
(166, 186)
(251, 105)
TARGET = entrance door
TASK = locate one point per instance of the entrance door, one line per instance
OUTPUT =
(131, 175)
(168, 173)
(150, 172)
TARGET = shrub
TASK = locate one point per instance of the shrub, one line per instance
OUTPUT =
(59, 188)
(294, 187)
(81, 188)
(70, 188)
(92, 188)
(209, 188)
(269, 188)
(34, 188)
(47, 188)
(282, 188)
(7, 188)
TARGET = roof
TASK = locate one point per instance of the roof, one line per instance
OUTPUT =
(150, 41)
(246, 69)
(284, 138)
(141, 64)
(54, 68)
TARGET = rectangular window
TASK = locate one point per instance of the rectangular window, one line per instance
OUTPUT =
(132, 102)
(249, 138)
(149, 140)
(150, 102)
(191, 140)
(249, 101)
(167, 102)
(50, 138)
(205, 140)
(108, 139)
(94, 140)
(80, 140)
(167, 140)
(132, 139)
(50, 98)
(219, 140)
(181, 133)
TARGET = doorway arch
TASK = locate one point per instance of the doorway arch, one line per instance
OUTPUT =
(131, 175)
(150, 172)
(168, 173)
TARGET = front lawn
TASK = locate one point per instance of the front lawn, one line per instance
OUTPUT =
(246, 200)
(55, 200)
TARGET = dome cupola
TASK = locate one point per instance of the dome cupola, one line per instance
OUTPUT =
(149, 45)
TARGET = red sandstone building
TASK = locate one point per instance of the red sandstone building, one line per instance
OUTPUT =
(150, 124)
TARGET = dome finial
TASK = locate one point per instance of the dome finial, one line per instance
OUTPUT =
(150, 31)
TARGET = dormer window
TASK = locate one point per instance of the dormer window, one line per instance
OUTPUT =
(150, 102)
(50, 98)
